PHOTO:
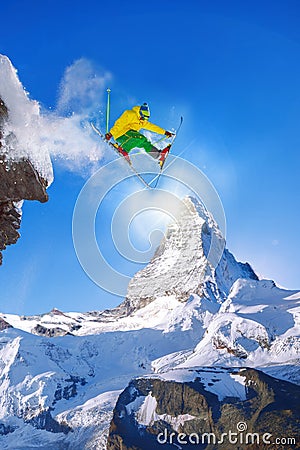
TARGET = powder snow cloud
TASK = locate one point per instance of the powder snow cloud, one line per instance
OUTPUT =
(81, 98)
(64, 133)
(82, 87)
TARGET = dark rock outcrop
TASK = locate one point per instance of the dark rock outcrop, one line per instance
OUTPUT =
(270, 406)
(4, 325)
(6, 429)
(19, 180)
(49, 332)
(44, 421)
(70, 389)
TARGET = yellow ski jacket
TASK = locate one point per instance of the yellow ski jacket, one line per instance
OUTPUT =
(131, 120)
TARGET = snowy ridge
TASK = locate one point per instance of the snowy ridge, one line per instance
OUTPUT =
(257, 326)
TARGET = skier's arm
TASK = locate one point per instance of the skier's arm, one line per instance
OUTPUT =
(152, 127)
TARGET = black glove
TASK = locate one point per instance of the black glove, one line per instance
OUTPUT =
(169, 134)
(108, 136)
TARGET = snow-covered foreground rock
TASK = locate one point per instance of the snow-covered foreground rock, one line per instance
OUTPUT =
(62, 373)
(25, 165)
(216, 408)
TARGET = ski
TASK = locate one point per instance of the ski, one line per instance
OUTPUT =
(115, 147)
(176, 133)
(162, 163)
(138, 175)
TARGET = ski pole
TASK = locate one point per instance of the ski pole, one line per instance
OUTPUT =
(107, 109)
(159, 140)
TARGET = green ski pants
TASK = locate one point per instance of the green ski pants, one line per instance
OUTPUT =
(133, 139)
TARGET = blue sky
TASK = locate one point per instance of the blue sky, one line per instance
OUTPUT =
(231, 68)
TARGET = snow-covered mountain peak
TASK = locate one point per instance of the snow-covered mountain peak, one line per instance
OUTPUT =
(183, 263)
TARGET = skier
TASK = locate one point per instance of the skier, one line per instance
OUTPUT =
(125, 132)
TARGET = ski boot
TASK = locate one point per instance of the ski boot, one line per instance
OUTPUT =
(123, 153)
(163, 155)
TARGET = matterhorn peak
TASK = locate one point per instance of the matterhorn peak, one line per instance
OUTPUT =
(181, 265)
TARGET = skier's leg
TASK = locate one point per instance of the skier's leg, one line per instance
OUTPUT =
(151, 149)
(156, 153)
(134, 139)
(125, 142)
(138, 140)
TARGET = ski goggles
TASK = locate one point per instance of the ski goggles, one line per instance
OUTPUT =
(144, 112)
